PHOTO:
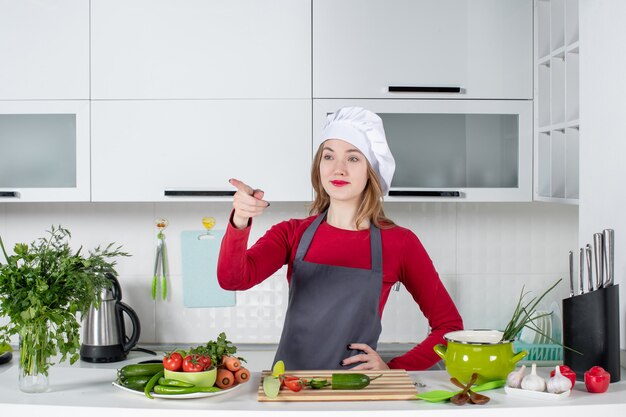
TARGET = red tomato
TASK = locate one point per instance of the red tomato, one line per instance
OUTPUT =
(205, 361)
(293, 383)
(191, 363)
(597, 380)
(173, 361)
(566, 372)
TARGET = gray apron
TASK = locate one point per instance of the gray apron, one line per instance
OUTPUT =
(329, 308)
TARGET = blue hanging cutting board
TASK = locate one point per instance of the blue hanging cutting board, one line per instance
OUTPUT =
(200, 286)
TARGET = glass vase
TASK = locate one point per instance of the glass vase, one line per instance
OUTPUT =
(33, 358)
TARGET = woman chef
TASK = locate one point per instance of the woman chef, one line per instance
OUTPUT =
(343, 260)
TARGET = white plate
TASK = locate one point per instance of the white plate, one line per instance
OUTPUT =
(525, 393)
(178, 396)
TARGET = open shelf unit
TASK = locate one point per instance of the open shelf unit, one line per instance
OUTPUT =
(556, 101)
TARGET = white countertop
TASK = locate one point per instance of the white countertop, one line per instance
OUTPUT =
(85, 389)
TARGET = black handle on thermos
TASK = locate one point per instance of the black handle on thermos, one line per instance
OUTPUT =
(134, 337)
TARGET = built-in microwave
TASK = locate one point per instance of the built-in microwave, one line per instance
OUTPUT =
(452, 150)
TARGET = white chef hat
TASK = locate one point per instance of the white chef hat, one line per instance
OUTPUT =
(363, 129)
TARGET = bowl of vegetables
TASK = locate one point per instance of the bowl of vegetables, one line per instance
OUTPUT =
(194, 369)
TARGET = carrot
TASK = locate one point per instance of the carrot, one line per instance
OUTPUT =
(242, 375)
(232, 364)
(225, 378)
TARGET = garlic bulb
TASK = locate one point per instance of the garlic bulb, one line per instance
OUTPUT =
(559, 383)
(514, 379)
(534, 382)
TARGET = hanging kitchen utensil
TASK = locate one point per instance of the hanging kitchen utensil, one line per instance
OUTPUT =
(208, 223)
(160, 262)
(609, 255)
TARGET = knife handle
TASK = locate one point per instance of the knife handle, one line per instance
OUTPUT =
(609, 253)
(581, 271)
(598, 247)
(589, 268)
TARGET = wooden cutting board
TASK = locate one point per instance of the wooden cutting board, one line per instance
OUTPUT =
(394, 384)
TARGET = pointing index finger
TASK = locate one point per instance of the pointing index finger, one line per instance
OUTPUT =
(242, 186)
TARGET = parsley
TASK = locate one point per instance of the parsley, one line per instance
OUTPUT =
(217, 349)
(43, 287)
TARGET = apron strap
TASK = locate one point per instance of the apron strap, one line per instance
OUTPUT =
(376, 247)
(307, 237)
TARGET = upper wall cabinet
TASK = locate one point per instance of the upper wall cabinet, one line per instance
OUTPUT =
(44, 150)
(423, 49)
(44, 49)
(181, 150)
(195, 49)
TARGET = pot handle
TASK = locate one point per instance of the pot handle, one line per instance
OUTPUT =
(441, 350)
(519, 356)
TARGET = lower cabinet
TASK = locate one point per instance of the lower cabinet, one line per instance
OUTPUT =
(173, 150)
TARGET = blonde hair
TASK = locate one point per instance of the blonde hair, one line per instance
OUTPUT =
(371, 207)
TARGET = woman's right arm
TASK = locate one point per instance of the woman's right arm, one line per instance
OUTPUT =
(238, 267)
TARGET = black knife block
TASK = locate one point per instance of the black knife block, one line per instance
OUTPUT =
(591, 326)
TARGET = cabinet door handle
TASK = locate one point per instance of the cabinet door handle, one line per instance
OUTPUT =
(417, 89)
(198, 193)
(9, 194)
(410, 193)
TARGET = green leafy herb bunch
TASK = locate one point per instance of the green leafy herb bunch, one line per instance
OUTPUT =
(43, 287)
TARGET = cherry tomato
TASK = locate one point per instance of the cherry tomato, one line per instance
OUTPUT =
(191, 363)
(173, 361)
(205, 361)
(566, 372)
(597, 380)
(293, 383)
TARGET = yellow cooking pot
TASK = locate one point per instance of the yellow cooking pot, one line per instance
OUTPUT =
(478, 351)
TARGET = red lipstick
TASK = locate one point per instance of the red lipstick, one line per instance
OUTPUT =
(339, 183)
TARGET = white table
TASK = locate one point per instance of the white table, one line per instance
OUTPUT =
(85, 390)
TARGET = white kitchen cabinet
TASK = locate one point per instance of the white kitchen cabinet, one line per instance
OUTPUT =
(44, 49)
(557, 138)
(452, 150)
(484, 48)
(44, 150)
(200, 49)
(186, 150)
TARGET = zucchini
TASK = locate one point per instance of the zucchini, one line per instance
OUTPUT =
(351, 381)
(140, 369)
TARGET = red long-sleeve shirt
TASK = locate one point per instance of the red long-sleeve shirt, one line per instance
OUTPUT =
(404, 260)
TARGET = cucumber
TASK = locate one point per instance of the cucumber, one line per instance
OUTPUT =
(318, 383)
(140, 369)
(136, 383)
(351, 381)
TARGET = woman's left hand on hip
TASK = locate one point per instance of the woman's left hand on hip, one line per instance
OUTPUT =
(368, 360)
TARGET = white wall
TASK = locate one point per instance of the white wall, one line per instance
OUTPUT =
(484, 253)
(603, 129)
